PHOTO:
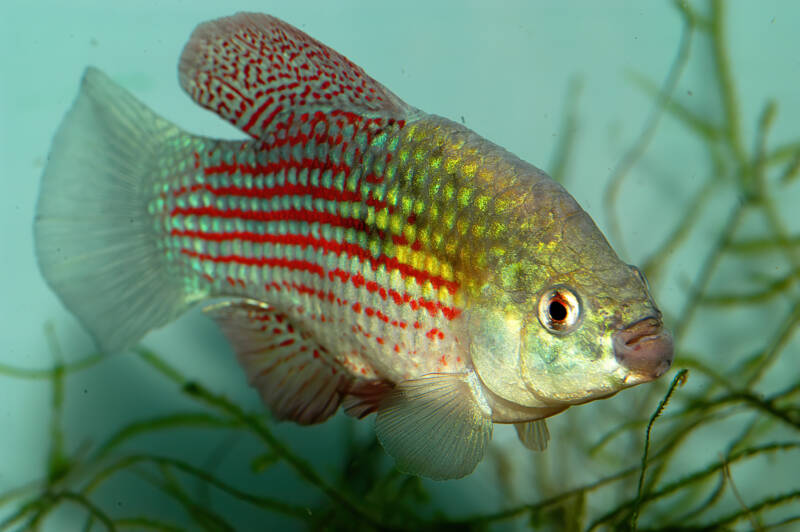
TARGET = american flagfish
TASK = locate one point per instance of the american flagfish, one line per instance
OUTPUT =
(355, 250)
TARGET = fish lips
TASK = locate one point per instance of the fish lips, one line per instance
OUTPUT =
(645, 348)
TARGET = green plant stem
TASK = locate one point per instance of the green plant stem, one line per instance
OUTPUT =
(678, 380)
(301, 467)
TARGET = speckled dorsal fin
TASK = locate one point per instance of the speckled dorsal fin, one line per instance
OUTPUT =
(533, 434)
(256, 71)
(434, 426)
(282, 362)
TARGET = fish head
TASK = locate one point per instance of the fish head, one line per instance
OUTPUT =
(566, 321)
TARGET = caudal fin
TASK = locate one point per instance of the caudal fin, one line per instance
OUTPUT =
(97, 244)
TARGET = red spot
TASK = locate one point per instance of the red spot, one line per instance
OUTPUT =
(372, 286)
(379, 340)
(316, 353)
(357, 307)
(443, 360)
(417, 325)
(363, 371)
(396, 348)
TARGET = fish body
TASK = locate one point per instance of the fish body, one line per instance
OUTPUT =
(355, 250)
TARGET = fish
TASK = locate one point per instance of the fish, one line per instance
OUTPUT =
(355, 251)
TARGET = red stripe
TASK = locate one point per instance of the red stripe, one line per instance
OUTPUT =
(390, 263)
(287, 189)
(301, 265)
(257, 113)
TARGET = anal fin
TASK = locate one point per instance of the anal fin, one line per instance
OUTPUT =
(282, 361)
(435, 426)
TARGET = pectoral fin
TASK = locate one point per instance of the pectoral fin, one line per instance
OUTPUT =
(533, 434)
(283, 362)
(434, 426)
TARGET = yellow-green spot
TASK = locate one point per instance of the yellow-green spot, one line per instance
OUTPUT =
(396, 224)
(379, 139)
(464, 196)
(449, 219)
(410, 232)
(338, 182)
(447, 191)
(469, 169)
(375, 247)
(382, 218)
(392, 195)
(496, 229)
(406, 204)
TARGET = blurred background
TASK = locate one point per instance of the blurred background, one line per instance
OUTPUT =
(674, 125)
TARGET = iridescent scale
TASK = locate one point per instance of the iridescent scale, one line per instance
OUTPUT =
(318, 222)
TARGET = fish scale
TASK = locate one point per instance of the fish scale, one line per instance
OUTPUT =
(355, 251)
(323, 240)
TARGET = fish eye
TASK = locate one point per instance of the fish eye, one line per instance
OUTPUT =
(559, 310)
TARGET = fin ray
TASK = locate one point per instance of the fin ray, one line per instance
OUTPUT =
(281, 361)
(95, 240)
(533, 434)
(434, 426)
(254, 70)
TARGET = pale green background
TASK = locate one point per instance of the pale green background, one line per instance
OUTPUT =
(502, 66)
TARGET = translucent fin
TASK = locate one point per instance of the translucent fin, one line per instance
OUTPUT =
(434, 426)
(533, 434)
(95, 240)
(282, 362)
(365, 397)
(255, 70)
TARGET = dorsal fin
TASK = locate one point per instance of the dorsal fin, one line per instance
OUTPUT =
(282, 361)
(254, 70)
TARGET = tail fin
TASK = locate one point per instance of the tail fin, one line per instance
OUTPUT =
(97, 245)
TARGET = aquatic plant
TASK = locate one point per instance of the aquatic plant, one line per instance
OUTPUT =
(736, 390)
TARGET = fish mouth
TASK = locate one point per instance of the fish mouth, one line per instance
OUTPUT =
(645, 348)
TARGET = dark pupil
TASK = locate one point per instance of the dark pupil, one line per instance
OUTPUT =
(558, 312)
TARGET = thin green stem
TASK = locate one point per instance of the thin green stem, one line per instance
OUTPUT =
(632, 156)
